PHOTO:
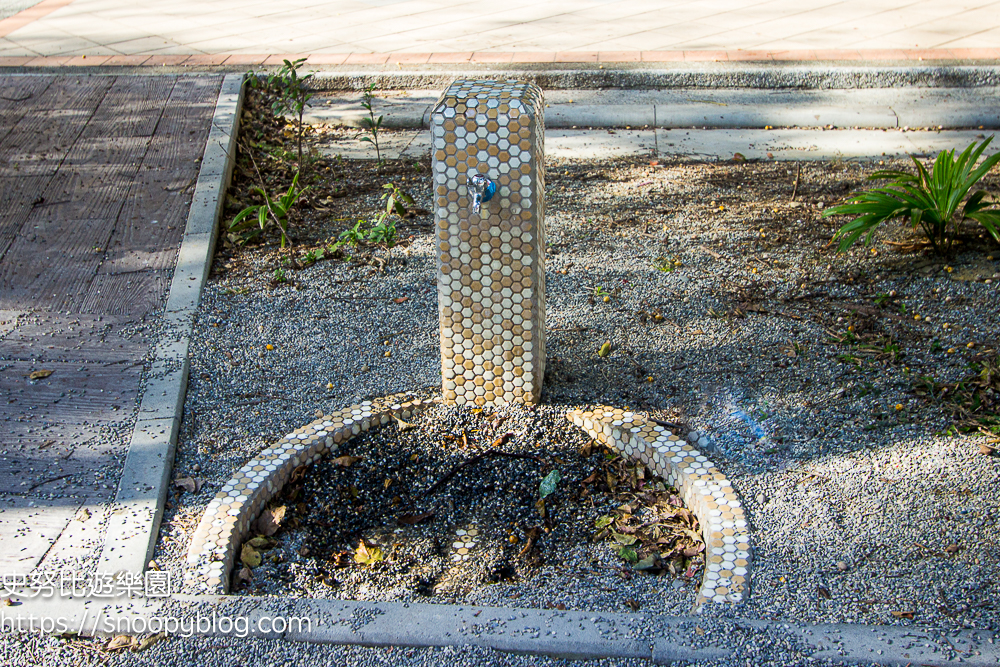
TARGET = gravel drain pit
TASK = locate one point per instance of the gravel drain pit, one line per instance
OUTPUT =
(447, 508)
(483, 511)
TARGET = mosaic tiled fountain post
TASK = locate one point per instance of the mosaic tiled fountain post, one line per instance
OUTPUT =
(489, 187)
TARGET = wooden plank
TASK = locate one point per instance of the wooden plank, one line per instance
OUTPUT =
(16, 98)
(131, 108)
(84, 192)
(18, 196)
(165, 184)
(49, 426)
(52, 263)
(152, 220)
(46, 337)
(42, 138)
(77, 393)
(133, 295)
(8, 322)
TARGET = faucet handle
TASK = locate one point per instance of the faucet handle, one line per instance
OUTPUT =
(483, 190)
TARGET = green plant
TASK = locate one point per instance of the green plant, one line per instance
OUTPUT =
(929, 201)
(355, 234)
(396, 199)
(279, 276)
(312, 256)
(254, 220)
(372, 125)
(974, 400)
(663, 264)
(383, 232)
(292, 94)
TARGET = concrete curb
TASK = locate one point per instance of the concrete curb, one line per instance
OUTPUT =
(699, 75)
(138, 506)
(562, 634)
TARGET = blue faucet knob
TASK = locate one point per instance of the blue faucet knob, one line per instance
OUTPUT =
(483, 190)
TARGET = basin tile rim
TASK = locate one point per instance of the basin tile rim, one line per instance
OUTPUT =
(706, 492)
(230, 515)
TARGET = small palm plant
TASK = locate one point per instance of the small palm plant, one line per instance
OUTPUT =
(936, 202)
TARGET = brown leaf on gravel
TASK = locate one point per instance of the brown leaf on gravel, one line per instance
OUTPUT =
(40, 375)
(146, 642)
(347, 461)
(404, 426)
(189, 484)
(502, 440)
(985, 449)
(903, 614)
(270, 520)
(824, 592)
(298, 473)
(249, 556)
(952, 549)
(411, 519)
(402, 299)
(120, 642)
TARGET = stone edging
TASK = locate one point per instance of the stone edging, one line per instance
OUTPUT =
(142, 489)
(229, 516)
(705, 490)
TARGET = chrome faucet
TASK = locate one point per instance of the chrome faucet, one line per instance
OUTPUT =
(483, 190)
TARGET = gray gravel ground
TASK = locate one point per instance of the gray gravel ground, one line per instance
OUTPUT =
(29, 651)
(859, 505)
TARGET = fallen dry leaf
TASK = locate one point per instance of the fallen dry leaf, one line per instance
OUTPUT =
(402, 299)
(40, 375)
(985, 449)
(366, 555)
(404, 426)
(903, 614)
(824, 592)
(951, 549)
(245, 574)
(120, 642)
(146, 642)
(270, 520)
(189, 484)
(347, 461)
(250, 556)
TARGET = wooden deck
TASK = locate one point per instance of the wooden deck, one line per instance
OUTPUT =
(96, 176)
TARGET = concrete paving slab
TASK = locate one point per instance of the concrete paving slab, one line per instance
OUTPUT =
(390, 145)
(30, 526)
(916, 107)
(804, 144)
(598, 144)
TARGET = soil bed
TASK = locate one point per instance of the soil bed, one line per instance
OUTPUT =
(448, 508)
